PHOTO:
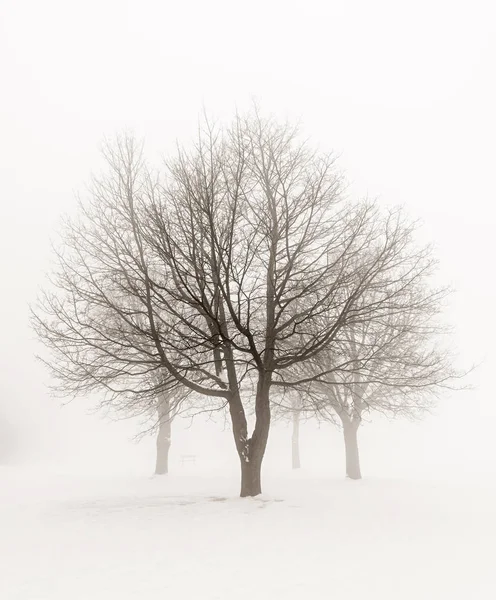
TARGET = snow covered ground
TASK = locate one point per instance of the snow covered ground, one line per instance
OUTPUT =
(188, 536)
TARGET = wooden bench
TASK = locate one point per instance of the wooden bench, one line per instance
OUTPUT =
(188, 458)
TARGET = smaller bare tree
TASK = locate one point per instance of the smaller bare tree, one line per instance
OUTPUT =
(393, 361)
(296, 407)
(91, 316)
(171, 401)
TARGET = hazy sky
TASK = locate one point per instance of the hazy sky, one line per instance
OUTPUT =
(404, 92)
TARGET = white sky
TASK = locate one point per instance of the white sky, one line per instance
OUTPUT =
(405, 92)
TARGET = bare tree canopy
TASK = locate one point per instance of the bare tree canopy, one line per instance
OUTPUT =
(395, 364)
(229, 274)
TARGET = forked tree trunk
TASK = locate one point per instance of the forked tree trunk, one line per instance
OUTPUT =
(251, 451)
(251, 460)
(295, 441)
(350, 431)
(163, 438)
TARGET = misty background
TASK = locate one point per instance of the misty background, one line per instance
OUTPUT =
(405, 96)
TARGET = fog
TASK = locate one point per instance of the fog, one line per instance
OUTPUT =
(404, 94)
(405, 97)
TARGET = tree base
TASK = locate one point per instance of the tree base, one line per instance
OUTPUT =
(353, 470)
(251, 484)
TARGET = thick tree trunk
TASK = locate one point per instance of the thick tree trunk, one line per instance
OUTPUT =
(163, 438)
(350, 431)
(295, 441)
(251, 451)
(251, 482)
(251, 457)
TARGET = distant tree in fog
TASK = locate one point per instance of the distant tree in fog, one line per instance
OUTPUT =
(90, 316)
(227, 276)
(170, 401)
(290, 408)
(296, 407)
(394, 364)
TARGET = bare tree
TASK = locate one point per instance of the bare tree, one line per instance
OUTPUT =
(289, 408)
(295, 438)
(91, 317)
(396, 363)
(269, 265)
(170, 403)
(163, 437)
(249, 224)
(240, 266)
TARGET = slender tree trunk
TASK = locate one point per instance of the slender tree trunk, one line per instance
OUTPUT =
(295, 441)
(350, 431)
(163, 437)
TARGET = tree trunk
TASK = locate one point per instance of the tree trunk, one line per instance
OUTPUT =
(295, 441)
(350, 431)
(163, 438)
(251, 451)
(251, 482)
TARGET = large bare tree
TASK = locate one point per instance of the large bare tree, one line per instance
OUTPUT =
(236, 268)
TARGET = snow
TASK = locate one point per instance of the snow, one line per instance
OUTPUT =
(79, 537)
